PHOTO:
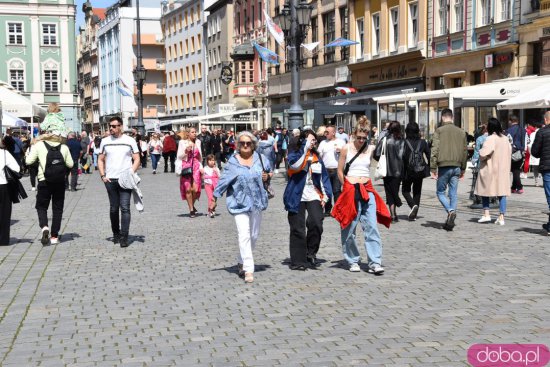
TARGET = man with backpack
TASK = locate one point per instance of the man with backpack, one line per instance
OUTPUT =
(54, 160)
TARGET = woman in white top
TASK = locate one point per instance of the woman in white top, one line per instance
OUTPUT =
(359, 201)
(6, 159)
(155, 148)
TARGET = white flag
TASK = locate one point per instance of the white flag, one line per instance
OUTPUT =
(310, 46)
(274, 29)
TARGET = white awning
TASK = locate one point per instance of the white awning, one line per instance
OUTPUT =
(535, 98)
(18, 105)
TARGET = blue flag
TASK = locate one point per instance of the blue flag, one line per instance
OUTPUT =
(266, 54)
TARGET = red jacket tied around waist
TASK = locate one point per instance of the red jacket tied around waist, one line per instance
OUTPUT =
(345, 210)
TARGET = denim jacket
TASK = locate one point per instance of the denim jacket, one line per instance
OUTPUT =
(244, 186)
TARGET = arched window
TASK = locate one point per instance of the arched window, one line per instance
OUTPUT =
(16, 69)
(50, 70)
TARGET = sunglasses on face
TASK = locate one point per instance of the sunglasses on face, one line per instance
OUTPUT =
(245, 143)
(113, 126)
(361, 138)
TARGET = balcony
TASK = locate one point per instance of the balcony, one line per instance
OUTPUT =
(154, 111)
(154, 89)
(154, 64)
(148, 39)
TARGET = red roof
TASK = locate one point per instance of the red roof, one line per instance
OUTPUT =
(100, 12)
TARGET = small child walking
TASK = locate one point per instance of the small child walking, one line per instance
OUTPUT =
(211, 175)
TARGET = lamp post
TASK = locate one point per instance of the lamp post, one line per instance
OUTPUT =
(294, 20)
(140, 73)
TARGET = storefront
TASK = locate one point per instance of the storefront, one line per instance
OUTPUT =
(471, 105)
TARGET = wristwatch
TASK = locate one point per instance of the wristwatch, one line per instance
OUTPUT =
(102, 177)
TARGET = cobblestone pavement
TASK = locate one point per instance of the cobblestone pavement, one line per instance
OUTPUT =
(173, 297)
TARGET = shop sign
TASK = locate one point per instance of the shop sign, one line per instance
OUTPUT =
(489, 61)
(504, 58)
(393, 72)
(342, 74)
(226, 75)
(226, 108)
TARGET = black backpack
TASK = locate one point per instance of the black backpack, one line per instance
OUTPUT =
(416, 166)
(55, 169)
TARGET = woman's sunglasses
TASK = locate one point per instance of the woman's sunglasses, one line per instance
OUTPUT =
(361, 138)
(245, 143)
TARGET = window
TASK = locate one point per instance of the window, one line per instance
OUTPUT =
(344, 51)
(181, 48)
(459, 16)
(413, 24)
(187, 74)
(199, 42)
(376, 33)
(219, 86)
(192, 16)
(188, 101)
(182, 104)
(187, 47)
(49, 34)
(329, 36)
(438, 83)
(360, 36)
(198, 17)
(252, 17)
(485, 12)
(50, 81)
(199, 70)
(193, 44)
(314, 38)
(17, 79)
(200, 99)
(505, 10)
(15, 33)
(394, 29)
(260, 12)
(185, 19)
(219, 54)
(193, 73)
(457, 82)
(442, 16)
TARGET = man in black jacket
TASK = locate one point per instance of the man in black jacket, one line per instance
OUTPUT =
(541, 149)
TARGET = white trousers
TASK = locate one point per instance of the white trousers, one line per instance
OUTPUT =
(248, 228)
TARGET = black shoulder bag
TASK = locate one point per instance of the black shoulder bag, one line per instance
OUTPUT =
(15, 188)
(267, 184)
(348, 165)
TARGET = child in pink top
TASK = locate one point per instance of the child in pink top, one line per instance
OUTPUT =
(211, 175)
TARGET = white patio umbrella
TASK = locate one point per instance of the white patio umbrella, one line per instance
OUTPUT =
(9, 120)
(534, 98)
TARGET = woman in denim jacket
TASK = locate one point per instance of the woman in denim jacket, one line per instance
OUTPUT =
(243, 179)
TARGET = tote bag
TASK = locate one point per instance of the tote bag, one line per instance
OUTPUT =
(382, 168)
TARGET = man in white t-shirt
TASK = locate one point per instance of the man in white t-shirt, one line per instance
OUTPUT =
(341, 134)
(329, 150)
(118, 153)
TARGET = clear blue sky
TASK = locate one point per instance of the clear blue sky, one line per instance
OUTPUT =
(95, 4)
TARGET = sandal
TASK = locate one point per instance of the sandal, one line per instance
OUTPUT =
(248, 277)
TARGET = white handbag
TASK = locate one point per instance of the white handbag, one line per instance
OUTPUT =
(179, 164)
(382, 168)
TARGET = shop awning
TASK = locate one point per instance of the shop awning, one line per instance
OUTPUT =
(535, 98)
(18, 105)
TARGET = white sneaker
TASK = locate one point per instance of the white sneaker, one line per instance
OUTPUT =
(54, 240)
(354, 268)
(522, 175)
(484, 219)
(33, 188)
(376, 269)
(499, 222)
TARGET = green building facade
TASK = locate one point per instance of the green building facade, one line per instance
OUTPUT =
(39, 57)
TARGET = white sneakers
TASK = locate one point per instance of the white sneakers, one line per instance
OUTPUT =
(484, 219)
(33, 188)
(354, 268)
(499, 222)
(54, 240)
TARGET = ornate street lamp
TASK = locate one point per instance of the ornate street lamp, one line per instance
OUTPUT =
(294, 21)
(140, 73)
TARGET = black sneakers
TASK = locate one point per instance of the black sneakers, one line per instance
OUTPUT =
(450, 223)
(413, 213)
(124, 241)
(116, 238)
(546, 227)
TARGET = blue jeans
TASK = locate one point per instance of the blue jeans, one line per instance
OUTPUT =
(501, 202)
(546, 182)
(155, 160)
(96, 156)
(366, 214)
(448, 176)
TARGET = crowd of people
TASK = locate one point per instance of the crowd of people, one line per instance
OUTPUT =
(328, 173)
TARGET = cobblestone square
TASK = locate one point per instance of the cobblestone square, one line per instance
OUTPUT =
(173, 298)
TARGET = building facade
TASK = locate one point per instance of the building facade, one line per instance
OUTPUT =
(39, 57)
(322, 70)
(88, 69)
(182, 29)
(249, 71)
(219, 45)
(534, 38)
(118, 58)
